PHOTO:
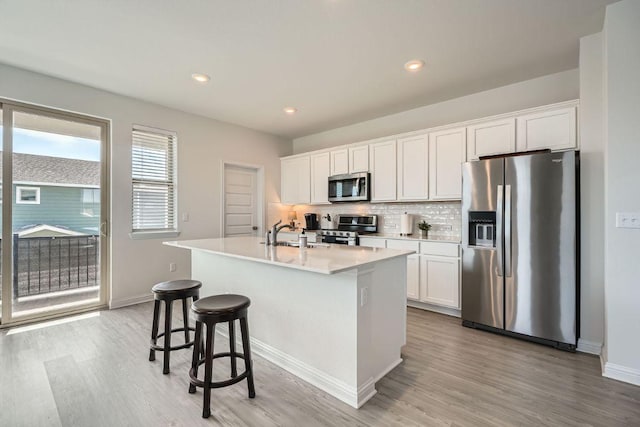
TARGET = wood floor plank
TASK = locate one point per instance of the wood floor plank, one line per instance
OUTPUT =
(95, 372)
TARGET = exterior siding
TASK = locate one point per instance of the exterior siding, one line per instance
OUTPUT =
(65, 207)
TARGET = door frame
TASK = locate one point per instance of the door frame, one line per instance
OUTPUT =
(8, 107)
(259, 188)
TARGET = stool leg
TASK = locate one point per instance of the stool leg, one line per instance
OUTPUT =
(232, 348)
(246, 349)
(208, 368)
(197, 349)
(167, 335)
(154, 329)
(185, 320)
(195, 298)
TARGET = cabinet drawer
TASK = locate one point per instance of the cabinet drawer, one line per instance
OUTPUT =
(371, 242)
(440, 249)
(403, 245)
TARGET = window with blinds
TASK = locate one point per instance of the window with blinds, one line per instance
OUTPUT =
(153, 170)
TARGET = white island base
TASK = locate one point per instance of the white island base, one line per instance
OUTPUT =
(339, 331)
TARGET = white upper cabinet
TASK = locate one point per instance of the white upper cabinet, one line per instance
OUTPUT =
(350, 160)
(382, 161)
(359, 159)
(413, 168)
(489, 138)
(446, 154)
(320, 171)
(295, 180)
(554, 129)
(339, 161)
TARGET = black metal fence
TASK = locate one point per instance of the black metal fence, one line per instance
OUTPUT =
(51, 264)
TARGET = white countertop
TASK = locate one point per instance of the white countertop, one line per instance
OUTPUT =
(323, 259)
(440, 239)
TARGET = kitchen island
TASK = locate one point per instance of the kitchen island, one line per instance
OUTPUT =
(334, 316)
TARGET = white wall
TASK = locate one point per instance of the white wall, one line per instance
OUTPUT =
(544, 90)
(622, 190)
(202, 145)
(592, 194)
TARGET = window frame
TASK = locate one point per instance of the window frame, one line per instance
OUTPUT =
(151, 233)
(19, 201)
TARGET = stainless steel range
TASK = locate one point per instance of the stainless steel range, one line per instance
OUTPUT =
(349, 227)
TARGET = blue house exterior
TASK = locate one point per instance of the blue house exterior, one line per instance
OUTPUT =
(58, 193)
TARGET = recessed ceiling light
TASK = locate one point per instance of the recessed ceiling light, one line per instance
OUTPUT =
(201, 78)
(414, 65)
(290, 110)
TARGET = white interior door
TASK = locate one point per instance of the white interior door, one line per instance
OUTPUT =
(240, 201)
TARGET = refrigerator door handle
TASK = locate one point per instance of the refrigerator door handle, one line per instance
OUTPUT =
(499, 231)
(507, 230)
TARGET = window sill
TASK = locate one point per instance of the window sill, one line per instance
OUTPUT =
(144, 235)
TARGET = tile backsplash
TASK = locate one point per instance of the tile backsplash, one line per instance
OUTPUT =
(444, 216)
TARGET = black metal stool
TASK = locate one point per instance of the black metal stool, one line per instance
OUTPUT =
(210, 311)
(168, 292)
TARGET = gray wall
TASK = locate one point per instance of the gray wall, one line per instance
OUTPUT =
(622, 190)
(549, 89)
(592, 194)
(202, 146)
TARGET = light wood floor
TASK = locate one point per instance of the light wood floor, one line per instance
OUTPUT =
(95, 372)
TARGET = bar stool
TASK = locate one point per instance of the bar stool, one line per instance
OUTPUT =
(211, 311)
(168, 292)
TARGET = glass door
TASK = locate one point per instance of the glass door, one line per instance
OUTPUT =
(54, 213)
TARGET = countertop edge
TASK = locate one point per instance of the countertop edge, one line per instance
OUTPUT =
(177, 244)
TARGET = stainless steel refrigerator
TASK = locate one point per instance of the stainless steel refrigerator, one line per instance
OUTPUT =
(519, 240)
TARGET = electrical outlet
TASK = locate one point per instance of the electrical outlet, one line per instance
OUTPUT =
(185, 217)
(172, 267)
(364, 296)
(627, 220)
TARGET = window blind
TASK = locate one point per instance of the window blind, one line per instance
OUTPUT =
(153, 180)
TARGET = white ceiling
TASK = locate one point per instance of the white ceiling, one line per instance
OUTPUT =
(338, 61)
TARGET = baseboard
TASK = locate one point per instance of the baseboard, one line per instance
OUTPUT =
(590, 347)
(621, 373)
(349, 395)
(436, 308)
(113, 304)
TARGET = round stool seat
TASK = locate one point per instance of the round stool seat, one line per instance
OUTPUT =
(220, 305)
(176, 286)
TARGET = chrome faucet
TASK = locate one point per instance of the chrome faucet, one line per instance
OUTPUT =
(275, 229)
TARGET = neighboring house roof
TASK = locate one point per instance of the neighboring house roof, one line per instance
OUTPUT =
(46, 230)
(53, 170)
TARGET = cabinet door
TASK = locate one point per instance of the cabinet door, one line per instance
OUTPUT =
(320, 170)
(495, 137)
(339, 162)
(413, 265)
(359, 159)
(439, 281)
(555, 129)
(288, 182)
(446, 154)
(371, 242)
(413, 277)
(413, 168)
(382, 160)
(295, 181)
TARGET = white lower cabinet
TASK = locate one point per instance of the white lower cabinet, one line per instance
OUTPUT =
(433, 273)
(439, 281)
(372, 242)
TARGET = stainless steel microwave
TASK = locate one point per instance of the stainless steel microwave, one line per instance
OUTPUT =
(353, 187)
